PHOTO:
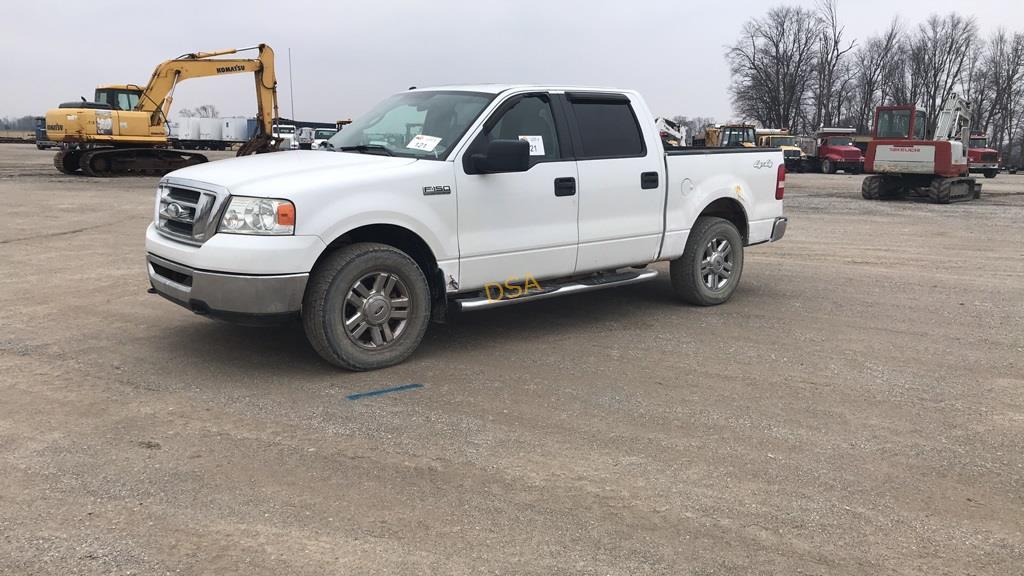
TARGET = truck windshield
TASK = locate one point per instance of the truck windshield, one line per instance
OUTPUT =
(414, 124)
(840, 141)
(324, 133)
(979, 143)
(777, 141)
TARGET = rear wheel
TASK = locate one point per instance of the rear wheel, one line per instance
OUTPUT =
(367, 306)
(709, 270)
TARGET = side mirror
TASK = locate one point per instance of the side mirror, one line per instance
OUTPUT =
(503, 156)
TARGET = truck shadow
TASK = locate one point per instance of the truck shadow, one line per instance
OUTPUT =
(283, 350)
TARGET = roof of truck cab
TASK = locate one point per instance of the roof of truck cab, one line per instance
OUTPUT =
(499, 88)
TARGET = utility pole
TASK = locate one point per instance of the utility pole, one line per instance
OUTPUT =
(291, 86)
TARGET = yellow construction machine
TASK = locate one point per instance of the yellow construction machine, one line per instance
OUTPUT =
(726, 135)
(124, 130)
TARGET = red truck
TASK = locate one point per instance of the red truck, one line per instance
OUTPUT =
(980, 158)
(831, 150)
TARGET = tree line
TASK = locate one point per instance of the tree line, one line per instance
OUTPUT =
(797, 68)
(20, 124)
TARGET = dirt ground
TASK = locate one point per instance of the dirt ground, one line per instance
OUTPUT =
(857, 408)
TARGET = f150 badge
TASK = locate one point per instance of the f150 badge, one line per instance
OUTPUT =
(763, 164)
(434, 190)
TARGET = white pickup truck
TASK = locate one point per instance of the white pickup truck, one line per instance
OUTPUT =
(458, 198)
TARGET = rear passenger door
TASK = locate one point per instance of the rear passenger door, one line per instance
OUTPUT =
(621, 181)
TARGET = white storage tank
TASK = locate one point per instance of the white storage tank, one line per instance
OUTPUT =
(210, 129)
(234, 129)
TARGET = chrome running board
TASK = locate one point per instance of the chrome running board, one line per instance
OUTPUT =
(551, 290)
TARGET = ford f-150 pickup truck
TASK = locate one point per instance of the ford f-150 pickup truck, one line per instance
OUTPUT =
(458, 198)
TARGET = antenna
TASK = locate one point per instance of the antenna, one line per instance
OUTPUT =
(291, 87)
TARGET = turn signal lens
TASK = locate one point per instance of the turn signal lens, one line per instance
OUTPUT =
(285, 215)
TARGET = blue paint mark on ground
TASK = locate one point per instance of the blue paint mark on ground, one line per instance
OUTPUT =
(382, 391)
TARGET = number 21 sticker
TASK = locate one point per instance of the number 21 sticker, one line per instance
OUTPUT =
(423, 142)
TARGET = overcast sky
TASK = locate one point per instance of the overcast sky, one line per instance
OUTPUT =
(348, 55)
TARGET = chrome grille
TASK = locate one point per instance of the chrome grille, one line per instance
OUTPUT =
(989, 156)
(186, 214)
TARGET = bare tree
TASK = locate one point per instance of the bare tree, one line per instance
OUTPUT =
(773, 66)
(204, 111)
(827, 93)
(874, 64)
(944, 44)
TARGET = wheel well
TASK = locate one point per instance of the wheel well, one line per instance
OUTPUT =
(730, 210)
(402, 238)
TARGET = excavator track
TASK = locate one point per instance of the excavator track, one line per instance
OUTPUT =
(948, 190)
(106, 162)
(66, 161)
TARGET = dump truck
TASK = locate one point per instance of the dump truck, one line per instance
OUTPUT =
(781, 138)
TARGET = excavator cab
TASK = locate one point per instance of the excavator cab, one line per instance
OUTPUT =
(900, 123)
(118, 97)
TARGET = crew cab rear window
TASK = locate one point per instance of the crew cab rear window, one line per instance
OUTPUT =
(607, 128)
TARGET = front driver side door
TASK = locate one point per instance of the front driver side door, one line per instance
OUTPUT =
(519, 224)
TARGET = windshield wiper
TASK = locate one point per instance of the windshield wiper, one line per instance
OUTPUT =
(364, 148)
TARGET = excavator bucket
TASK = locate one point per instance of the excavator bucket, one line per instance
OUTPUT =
(261, 143)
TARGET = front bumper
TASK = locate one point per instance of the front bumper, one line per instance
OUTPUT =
(779, 229)
(234, 297)
(983, 166)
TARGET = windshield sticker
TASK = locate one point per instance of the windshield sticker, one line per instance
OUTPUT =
(536, 144)
(423, 142)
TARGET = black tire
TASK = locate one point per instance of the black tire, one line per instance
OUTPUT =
(685, 272)
(991, 173)
(940, 191)
(871, 187)
(827, 167)
(326, 303)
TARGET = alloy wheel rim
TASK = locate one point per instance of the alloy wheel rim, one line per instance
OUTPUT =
(376, 310)
(716, 264)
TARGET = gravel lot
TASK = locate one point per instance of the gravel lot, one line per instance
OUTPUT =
(857, 408)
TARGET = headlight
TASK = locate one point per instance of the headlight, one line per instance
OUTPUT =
(264, 216)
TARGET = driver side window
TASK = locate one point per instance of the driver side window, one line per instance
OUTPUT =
(530, 118)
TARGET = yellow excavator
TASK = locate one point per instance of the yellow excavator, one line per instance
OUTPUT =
(124, 130)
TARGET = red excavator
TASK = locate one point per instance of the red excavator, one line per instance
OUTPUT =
(903, 162)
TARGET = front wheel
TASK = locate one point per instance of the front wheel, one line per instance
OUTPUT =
(709, 270)
(367, 306)
(991, 173)
(827, 167)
